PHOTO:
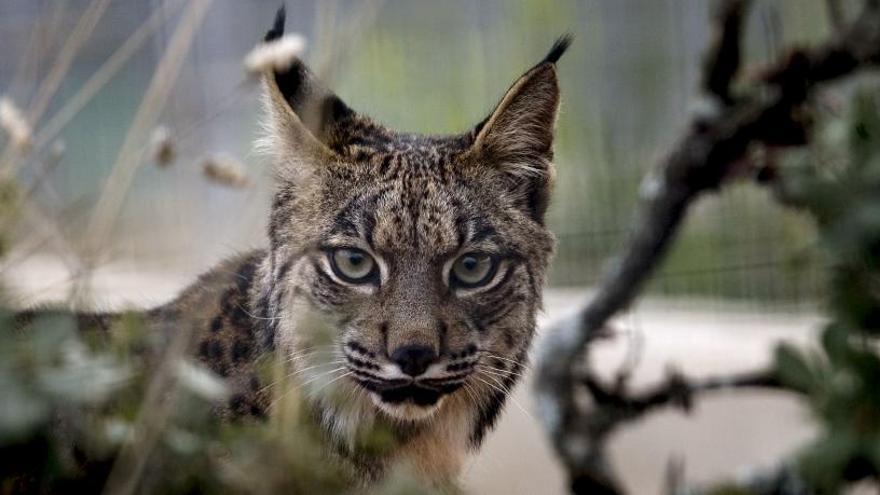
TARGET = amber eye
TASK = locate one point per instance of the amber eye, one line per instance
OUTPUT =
(473, 270)
(353, 265)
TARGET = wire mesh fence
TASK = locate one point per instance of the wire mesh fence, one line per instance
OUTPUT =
(434, 67)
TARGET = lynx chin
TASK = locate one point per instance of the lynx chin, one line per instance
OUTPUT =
(403, 273)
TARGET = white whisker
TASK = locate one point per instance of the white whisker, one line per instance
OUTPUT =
(524, 364)
(471, 393)
(289, 376)
(498, 371)
(325, 385)
(506, 390)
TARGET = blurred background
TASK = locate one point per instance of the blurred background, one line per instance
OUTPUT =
(743, 265)
(432, 67)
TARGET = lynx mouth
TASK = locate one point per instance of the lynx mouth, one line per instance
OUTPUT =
(407, 403)
(415, 394)
(412, 401)
(407, 397)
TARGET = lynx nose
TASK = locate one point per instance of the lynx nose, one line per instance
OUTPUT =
(414, 359)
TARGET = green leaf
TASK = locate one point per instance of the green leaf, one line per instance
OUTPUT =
(864, 131)
(20, 411)
(793, 369)
(824, 461)
(836, 344)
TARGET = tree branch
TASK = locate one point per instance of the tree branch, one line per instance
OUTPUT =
(835, 14)
(716, 140)
(677, 390)
(724, 58)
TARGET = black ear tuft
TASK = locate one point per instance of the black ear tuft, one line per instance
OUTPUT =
(559, 48)
(278, 26)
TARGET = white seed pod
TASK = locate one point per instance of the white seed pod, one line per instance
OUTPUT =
(12, 121)
(225, 170)
(162, 149)
(277, 54)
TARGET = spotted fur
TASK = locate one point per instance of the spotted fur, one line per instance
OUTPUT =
(414, 203)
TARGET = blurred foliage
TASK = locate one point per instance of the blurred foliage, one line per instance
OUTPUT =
(77, 410)
(837, 182)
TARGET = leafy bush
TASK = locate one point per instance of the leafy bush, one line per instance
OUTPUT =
(838, 183)
(87, 409)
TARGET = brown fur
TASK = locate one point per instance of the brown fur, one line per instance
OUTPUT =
(415, 204)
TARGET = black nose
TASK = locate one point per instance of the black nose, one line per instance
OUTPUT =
(414, 359)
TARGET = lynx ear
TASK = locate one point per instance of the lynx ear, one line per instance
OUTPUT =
(517, 137)
(305, 117)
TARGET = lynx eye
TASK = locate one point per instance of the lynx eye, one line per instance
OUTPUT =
(473, 270)
(353, 265)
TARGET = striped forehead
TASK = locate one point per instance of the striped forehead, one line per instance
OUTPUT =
(417, 215)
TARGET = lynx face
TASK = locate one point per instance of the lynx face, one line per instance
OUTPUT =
(406, 270)
(430, 272)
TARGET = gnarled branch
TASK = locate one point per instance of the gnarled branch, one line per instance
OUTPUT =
(715, 141)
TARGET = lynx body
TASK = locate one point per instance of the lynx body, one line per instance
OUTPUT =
(403, 275)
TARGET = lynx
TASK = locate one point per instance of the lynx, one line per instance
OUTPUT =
(403, 273)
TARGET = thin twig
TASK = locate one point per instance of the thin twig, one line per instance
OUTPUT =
(104, 74)
(42, 38)
(153, 415)
(83, 29)
(116, 187)
(677, 390)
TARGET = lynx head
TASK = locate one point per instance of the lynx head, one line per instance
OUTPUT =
(416, 262)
